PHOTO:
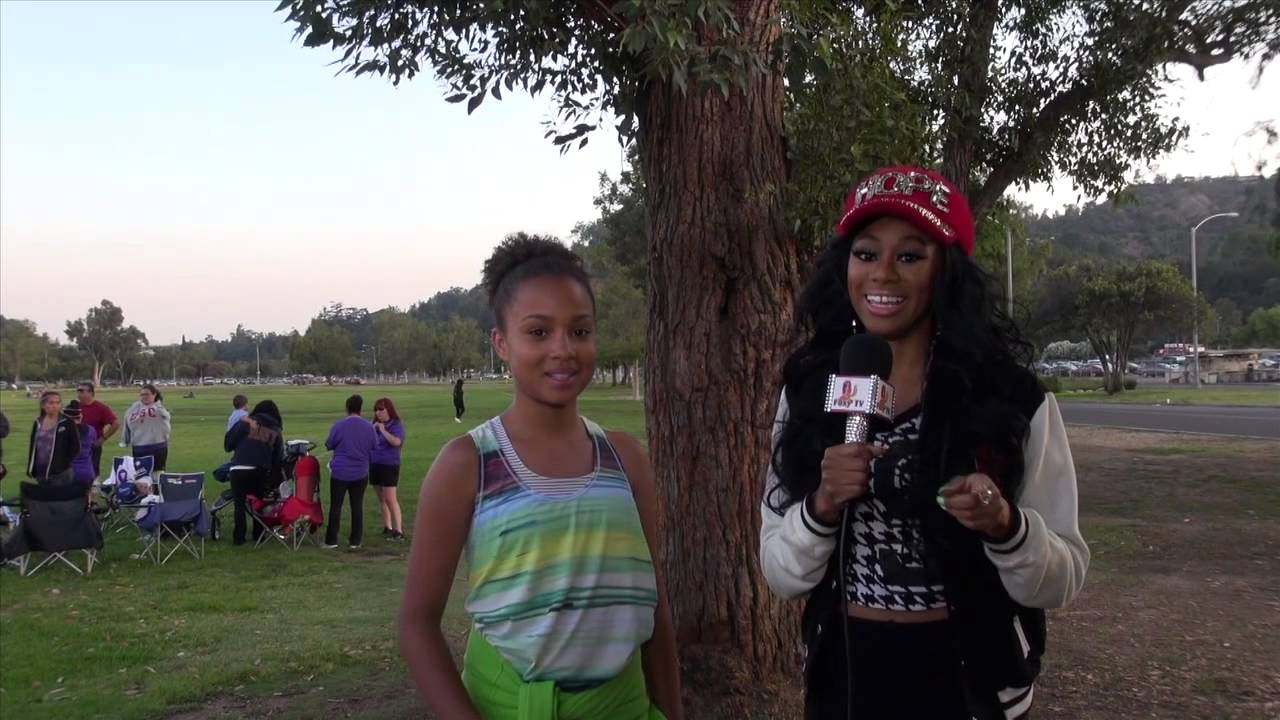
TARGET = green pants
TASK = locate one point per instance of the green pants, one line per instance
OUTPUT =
(499, 693)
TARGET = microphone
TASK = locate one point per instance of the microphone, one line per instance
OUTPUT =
(861, 390)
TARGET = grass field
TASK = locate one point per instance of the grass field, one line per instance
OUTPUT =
(138, 641)
(1177, 619)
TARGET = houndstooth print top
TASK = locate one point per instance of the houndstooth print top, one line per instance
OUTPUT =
(885, 564)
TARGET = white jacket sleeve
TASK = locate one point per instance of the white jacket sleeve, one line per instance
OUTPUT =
(794, 546)
(1044, 564)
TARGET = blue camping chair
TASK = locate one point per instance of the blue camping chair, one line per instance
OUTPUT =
(180, 518)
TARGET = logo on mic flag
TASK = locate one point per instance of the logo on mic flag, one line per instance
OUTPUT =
(860, 395)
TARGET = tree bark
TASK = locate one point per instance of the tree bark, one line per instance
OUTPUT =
(723, 272)
(964, 123)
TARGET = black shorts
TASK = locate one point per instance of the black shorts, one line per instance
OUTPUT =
(384, 475)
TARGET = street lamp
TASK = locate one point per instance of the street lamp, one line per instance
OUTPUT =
(1195, 293)
(1008, 262)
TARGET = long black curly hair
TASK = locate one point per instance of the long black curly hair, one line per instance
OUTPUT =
(979, 395)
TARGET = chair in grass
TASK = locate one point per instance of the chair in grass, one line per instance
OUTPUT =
(55, 523)
(180, 522)
(120, 493)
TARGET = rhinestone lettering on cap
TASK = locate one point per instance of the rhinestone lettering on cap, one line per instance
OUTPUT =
(898, 183)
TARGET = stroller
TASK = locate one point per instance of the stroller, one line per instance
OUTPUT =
(290, 513)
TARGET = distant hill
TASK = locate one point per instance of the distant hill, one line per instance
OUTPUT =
(1237, 259)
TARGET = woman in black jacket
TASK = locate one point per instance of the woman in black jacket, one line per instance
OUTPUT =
(929, 553)
(257, 462)
(54, 444)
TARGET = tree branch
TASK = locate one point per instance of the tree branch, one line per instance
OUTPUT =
(1027, 145)
(1200, 60)
(599, 11)
(1088, 88)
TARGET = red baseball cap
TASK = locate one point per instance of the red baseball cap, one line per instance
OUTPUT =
(922, 197)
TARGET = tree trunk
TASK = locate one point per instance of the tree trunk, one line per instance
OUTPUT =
(635, 380)
(963, 127)
(97, 373)
(723, 272)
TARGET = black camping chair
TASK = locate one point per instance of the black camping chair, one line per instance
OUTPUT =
(56, 521)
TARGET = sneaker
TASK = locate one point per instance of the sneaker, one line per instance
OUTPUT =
(397, 536)
(353, 547)
(388, 532)
(458, 420)
(327, 546)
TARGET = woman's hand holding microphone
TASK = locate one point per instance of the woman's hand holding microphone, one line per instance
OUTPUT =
(846, 473)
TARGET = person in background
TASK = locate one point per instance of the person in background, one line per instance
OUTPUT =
(97, 415)
(82, 467)
(4, 433)
(351, 439)
(147, 427)
(257, 461)
(458, 406)
(55, 443)
(384, 465)
(239, 411)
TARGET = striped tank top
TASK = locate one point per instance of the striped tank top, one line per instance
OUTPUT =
(562, 583)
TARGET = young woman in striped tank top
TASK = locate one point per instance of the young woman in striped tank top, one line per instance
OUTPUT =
(558, 520)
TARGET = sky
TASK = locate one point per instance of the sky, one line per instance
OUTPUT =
(196, 165)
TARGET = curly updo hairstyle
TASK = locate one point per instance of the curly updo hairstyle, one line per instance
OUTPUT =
(521, 257)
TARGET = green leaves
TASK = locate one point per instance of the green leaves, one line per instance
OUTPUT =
(1114, 303)
(595, 58)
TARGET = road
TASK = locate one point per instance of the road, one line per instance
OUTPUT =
(1258, 422)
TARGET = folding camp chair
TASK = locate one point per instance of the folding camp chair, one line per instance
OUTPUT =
(56, 521)
(265, 511)
(120, 500)
(297, 514)
(181, 518)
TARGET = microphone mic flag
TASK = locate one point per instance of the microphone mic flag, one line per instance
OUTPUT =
(862, 388)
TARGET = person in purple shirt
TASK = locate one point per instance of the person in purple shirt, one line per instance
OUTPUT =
(384, 465)
(351, 439)
(82, 466)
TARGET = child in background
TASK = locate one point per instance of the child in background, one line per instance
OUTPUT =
(240, 411)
